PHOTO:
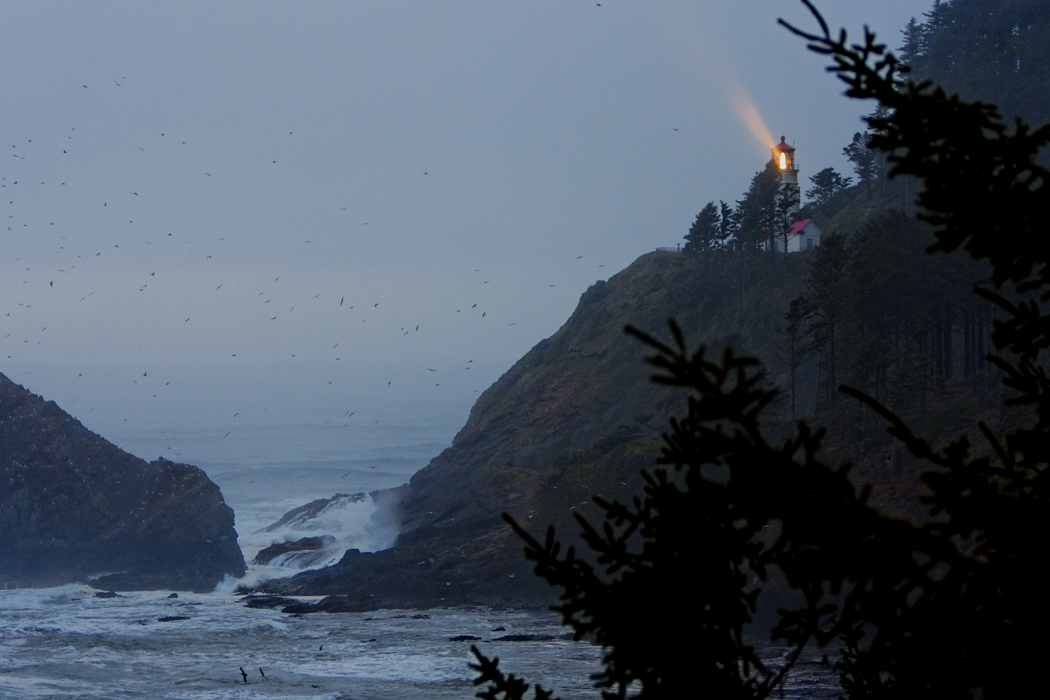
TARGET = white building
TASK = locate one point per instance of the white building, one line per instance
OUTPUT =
(803, 235)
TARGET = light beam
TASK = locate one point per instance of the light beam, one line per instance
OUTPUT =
(745, 107)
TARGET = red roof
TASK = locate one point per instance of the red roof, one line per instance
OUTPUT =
(796, 228)
(783, 145)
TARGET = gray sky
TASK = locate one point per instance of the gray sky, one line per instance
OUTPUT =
(249, 205)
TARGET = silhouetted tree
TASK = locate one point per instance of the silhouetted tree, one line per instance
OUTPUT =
(950, 607)
(799, 314)
(913, 49)
(828, 294)
(755, 214)
(726, 223)
(865, 161)
(785, 207)
(826, 184)
(704, 234)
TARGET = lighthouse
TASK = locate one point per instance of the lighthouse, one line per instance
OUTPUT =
(784, 157)
(804, 234)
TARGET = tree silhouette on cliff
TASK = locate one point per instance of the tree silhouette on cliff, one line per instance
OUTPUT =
(950, 607)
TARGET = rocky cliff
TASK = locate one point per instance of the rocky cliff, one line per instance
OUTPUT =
(575, 417)
(74, 506)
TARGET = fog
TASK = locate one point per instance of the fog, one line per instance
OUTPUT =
(305, 211)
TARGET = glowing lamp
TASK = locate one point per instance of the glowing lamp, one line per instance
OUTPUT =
(784, 156)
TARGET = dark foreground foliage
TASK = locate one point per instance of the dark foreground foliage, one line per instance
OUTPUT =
(950, 607)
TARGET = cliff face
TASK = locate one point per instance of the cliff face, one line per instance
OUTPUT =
(73, 505)
(575, 417)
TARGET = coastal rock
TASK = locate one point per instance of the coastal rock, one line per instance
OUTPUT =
(73, 506)
(305, 544)
(304, 516)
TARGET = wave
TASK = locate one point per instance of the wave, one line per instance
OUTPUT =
(318, 534)
(33, 598)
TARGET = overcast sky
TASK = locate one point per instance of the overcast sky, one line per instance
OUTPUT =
(310, 206)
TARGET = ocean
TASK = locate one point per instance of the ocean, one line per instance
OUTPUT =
(66, 643)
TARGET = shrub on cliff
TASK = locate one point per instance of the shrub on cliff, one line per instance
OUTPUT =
(951, 607)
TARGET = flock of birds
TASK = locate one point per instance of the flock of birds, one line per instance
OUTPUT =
(54, 252)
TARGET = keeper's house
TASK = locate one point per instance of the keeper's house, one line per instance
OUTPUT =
(802, 235)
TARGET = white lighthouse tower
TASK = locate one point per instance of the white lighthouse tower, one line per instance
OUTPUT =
(804, 234)
(784, 157)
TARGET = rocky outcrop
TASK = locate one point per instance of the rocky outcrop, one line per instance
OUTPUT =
(577, 416)
(281, 549)
(74, 506)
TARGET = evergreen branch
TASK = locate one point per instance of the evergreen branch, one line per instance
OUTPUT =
(501, 687)
(898, 428)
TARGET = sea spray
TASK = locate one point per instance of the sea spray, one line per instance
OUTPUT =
(316, 535)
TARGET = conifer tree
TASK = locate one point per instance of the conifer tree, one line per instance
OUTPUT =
(704, 234)
(865, 161)
(755, 215)
(828, 294)
(826, 184)
(726, 223)
(785, 206)
(799, 315)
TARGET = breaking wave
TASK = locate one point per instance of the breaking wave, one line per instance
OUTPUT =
(318, 534)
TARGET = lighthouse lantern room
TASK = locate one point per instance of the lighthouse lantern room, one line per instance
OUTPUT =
(784, 157)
